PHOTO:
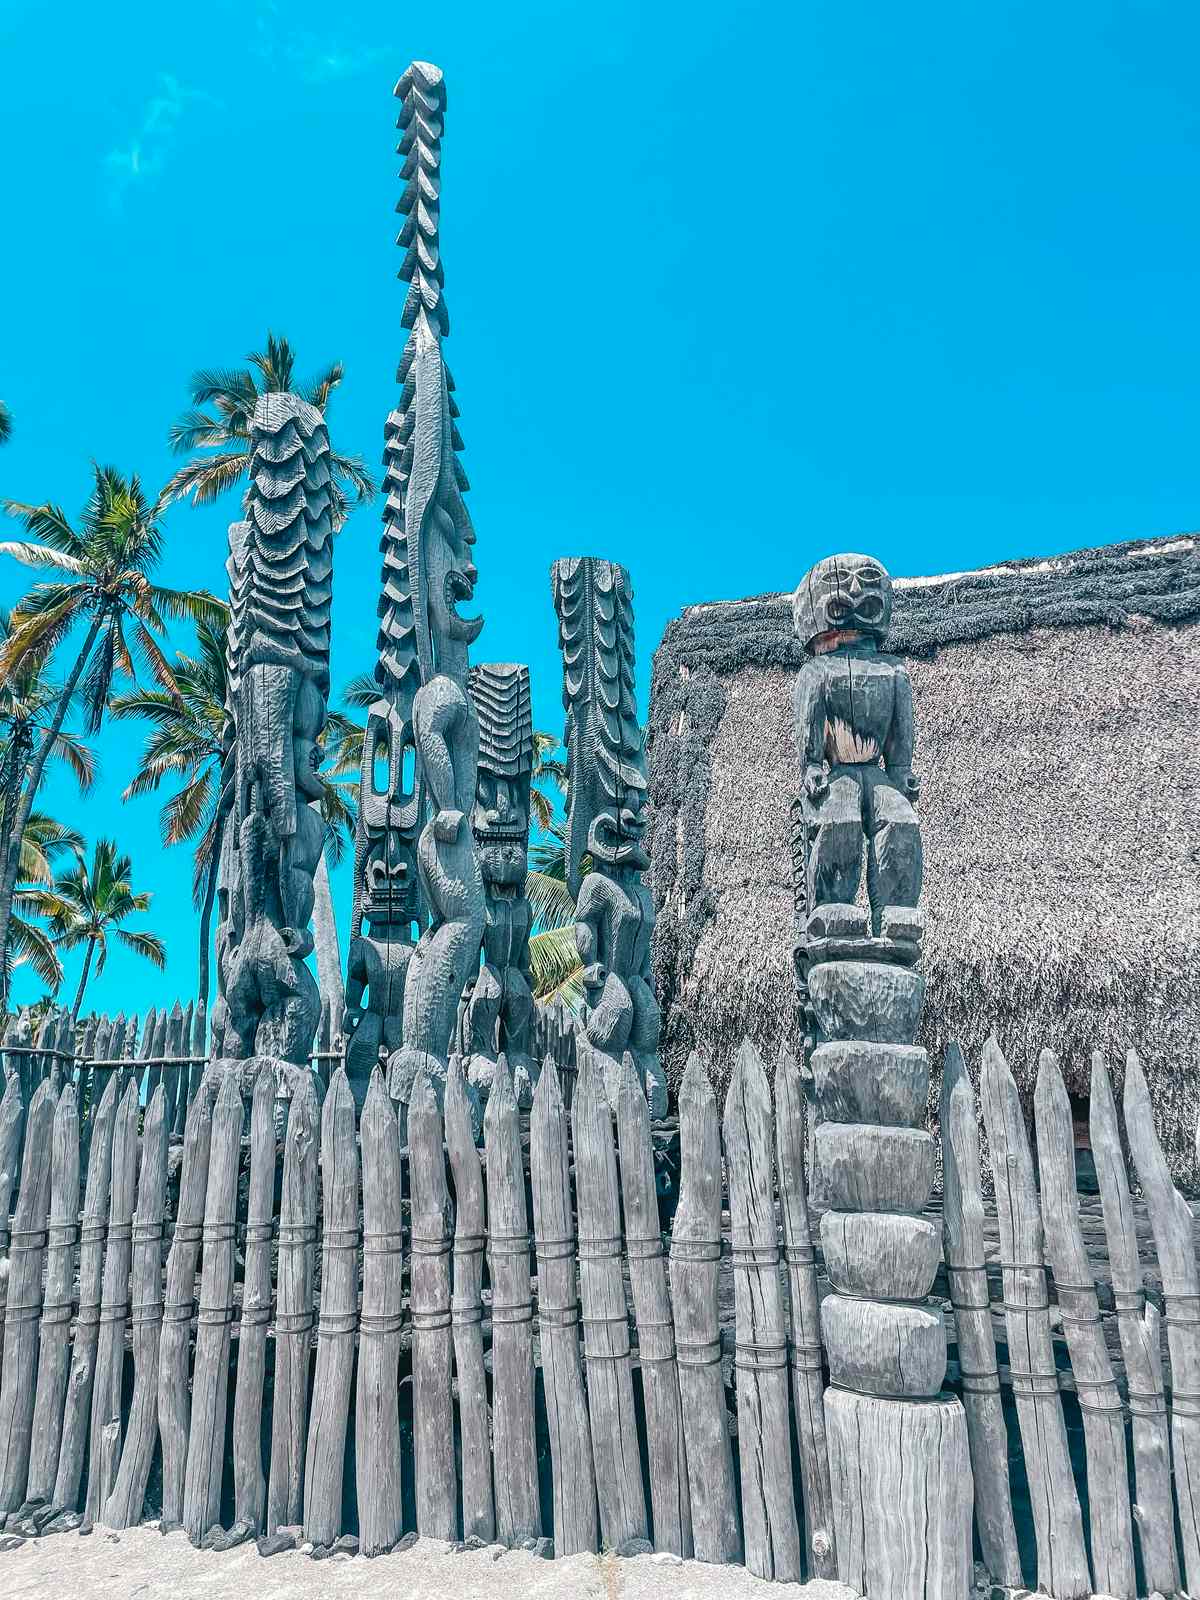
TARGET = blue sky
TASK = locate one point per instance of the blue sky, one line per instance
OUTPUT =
(732, 287)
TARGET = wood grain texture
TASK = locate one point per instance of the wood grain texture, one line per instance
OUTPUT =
(249, 1479)
(466, 1311)
(214, 1316)
(808, 1383)
(695, 1266)
(1172, 1223)
(12, 1122)
(962, 1233)
(1058, 1527)
(901, 1478)
(105, 1452)
(1138, 1326)
(572, 1475)
(670, 1502)
(772, 1538)
(329, 1416)
(429, 1287)
(54, 1353)
(615, 1448)
(377, 1417)
(27, 1249)
(123, 1507)
(174, 1392)
(294, 1305)
(1099, 1400)
(518, 1512)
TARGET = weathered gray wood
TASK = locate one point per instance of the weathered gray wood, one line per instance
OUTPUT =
(518, 1513)
(294, 1306)
(54, 1354)
(572, 1477)
(210, 1375)
(670, 1503)
(429, 1293)
(324, 1463)
(901, 1479)
(695, 1265)
(1172, 1223)
(962, 1218)
(107, 1411)
(249, 1479)
(77, 1412)
(1058, 1527)
(808, 1384)
(123, 1508)
(26, 1253)
(769, 1526)
(377, 1419)
(615, 1448)
(466, 1313)
(1138, 1325)
(1099, 1400)
(12, 1118)
(174, 1390)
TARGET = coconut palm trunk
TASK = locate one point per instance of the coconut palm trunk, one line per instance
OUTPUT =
(206, 911)
(12, 841)
(325, 940)
(83, 979)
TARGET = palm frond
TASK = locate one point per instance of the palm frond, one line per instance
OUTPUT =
(184, 814)
(196, 430)
(148, 945)
(29, 945)
(554, 965)
(354, 470)
(361, 693)
(550, 901)
(207, 479)
(317, 392)
(41, 555)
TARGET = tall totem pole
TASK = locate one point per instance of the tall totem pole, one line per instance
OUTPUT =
(607, 763)
(897, 1443)
(428, 571)
(281, 578)
(499, 1015)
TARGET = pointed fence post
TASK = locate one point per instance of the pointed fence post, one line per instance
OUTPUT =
(1062, 1561)
(249, 1479)
(107, 1409)
(377, 1421)
(12, 1120)
(54, 1355)
(294, 1308)
(670, 1502)
(1099, 1400)
(429, 1284)
(1171, 1220)
(695, 1267)
(808, 1379)
(179, 1303)
(518, 1511)
(962, 1235)
(325, 1457)
(26, 1252)
(77, 1413)
(1140, 1329)
(605, 1312)
(573, 1478)
(124, 1505)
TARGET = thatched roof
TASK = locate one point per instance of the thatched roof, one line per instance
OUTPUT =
(1058, 719)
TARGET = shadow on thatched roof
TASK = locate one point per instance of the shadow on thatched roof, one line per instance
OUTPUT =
(1058, 709)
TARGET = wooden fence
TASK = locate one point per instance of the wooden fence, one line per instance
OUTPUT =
(305, 1330)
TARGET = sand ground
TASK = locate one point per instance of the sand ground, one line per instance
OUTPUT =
(140, 1564)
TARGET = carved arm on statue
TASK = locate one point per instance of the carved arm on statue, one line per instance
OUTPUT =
(899, 744)
(355, 986)
(587, 936)
(808, 707)
(436, 713)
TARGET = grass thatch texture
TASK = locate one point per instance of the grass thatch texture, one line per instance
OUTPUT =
(1060, 811)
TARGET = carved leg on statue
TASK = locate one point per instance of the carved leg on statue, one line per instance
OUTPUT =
(895, 862)
(643, 1041)
(835, 843)
(609, 1027)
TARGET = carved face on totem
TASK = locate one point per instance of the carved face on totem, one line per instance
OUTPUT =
(500, 823)
(615, 836)
(390, 894)
(842, 600)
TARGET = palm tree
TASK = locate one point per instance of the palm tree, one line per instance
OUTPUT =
(106, 565)
(547, 767)
(5, 423)
(554, 963)
(233, 393)
(86, 903)
(43, 840)
(186, 742)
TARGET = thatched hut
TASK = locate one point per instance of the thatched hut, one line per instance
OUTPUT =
(1058, 725)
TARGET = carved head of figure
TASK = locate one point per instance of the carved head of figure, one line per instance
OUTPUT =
(499, 692)
(390, 895)
(842, 600)
(615, 836)
(501, 826)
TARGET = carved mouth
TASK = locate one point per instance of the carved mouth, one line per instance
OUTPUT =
(457, 588)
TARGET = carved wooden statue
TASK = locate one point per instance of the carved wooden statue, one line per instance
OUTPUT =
(281, 574)
(614, 912)
(427, 645)
(499, 1014)
(897, 1445)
